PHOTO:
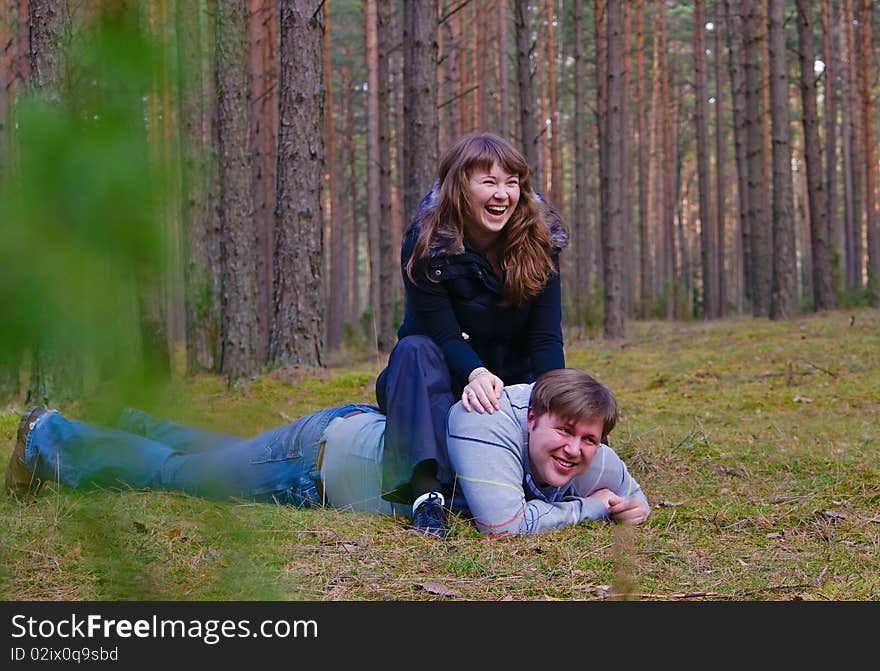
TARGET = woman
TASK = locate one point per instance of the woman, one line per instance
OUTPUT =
(480, 265)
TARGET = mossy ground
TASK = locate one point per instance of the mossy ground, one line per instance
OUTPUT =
(757, 443)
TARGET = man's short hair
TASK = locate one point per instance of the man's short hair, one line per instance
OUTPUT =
(574, 395)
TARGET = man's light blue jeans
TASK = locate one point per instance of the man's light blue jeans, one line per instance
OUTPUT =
(278, 464)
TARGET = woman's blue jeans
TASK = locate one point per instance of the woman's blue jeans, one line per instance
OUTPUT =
(278, 464)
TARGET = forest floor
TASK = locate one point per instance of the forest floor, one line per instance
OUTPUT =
(756, 442)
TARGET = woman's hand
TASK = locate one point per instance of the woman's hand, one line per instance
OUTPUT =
(482, 391)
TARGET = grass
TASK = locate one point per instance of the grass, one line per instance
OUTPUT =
(757, 443)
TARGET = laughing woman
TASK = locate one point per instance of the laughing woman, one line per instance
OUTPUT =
(480, 265)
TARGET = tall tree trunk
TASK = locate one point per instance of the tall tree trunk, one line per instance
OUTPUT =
(7, 82)
(761, 243)
(374, 193)
(670, 167)
(503, 70)
(627, 241)
(735, 60)
(239, 318)
(202, 244)
(866, 67)
(854, 171)
(263, 29)
(297, 326)
(420, 101)
(644, 273)
(656, 164)
(528, 122)
(50, 34)
(394, 101)
(56, 367)
(601, 72)
(449, 107)
(612, 226)
(707, 221)
(9, 360)
(580, 262)
(353, 221)
(831, 98)
(335, 238)
(557, 190)
(823, 292)
(466, 84)
(388, 269)
(784, 292)
(720, 168)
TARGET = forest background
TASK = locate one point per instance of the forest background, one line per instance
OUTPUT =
(201, 205)
(233, 179)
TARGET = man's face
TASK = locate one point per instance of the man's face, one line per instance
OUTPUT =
(560, 450)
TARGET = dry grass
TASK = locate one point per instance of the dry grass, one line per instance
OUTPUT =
(756, 442)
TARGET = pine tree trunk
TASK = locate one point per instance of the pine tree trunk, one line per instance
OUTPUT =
(297, 329)
(556, 193)
(263, 47)
(336, 264)
(612, 226)
(239, 316)
(528, 122)
(56, 367)
(761, 243)
(655, 172)
(783, 304)
(374, 193)
(707, 220)
(579, 277)
(831, 99)
(353, 306)
(865, 70)
(503, 71)
(10, 359)
(735, 59)
(823, 294)
(419, 101)
(669, 169)
(626, 152)
(601, 71)
(202, 245)
(720, 169)
(388, 269)
(854, 170)
(644, 274)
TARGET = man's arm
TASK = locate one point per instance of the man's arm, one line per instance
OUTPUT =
(608, 480)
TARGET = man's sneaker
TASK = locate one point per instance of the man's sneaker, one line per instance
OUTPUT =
(21, 480)
(430, 517)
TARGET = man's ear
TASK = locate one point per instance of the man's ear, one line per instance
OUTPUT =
(530, 419)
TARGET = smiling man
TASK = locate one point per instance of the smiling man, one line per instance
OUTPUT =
(534, 464)
(538, 462)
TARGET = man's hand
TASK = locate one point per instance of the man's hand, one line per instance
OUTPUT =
(624, 509)
(482, 392)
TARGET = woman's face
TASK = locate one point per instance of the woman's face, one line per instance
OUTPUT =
(493, 195)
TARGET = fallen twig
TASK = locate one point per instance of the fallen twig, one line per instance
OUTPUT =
(824, 370)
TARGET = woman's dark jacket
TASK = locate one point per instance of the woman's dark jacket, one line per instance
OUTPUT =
(461, 311)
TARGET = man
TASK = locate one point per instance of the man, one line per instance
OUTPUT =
(333, 457)
(538, 461)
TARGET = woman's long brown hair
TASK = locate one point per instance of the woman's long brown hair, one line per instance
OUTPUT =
(525, 253)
